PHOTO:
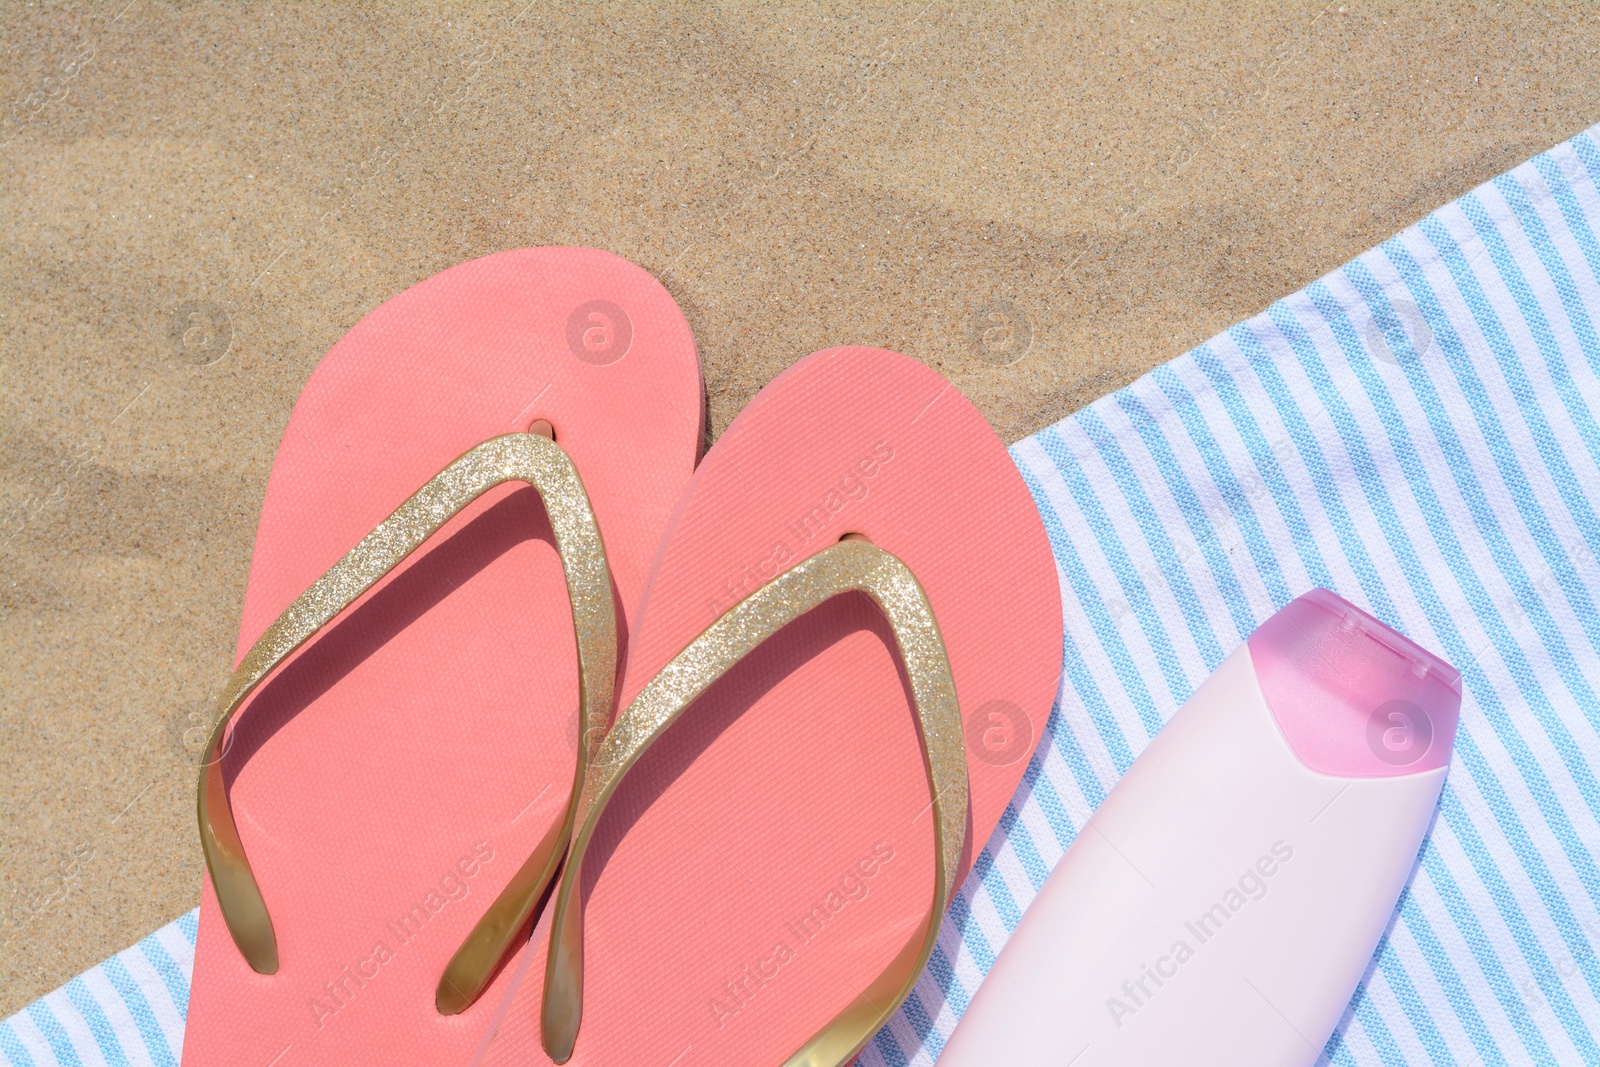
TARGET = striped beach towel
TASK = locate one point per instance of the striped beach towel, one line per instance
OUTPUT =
(1419, 431)
(128, 1010)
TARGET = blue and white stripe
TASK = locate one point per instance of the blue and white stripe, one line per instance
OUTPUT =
(1418, 431)
(127, 1011)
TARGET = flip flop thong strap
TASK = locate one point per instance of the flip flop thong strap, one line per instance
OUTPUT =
(529, 458)
(845, 567)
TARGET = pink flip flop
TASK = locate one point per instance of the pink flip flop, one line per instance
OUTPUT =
(386, 810)
(855, 573)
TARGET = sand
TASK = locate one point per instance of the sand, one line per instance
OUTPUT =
(197, 201)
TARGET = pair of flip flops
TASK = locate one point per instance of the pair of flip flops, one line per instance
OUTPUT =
(724, 735)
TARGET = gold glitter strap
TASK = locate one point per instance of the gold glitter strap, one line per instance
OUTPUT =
(850, 566)
(529, 458)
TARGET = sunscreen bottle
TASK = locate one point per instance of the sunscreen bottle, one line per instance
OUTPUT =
(1223, 902)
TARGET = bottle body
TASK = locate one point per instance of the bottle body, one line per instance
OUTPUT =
(1222, 904)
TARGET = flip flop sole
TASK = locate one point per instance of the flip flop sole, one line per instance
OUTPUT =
(771, 853)
(392, 776)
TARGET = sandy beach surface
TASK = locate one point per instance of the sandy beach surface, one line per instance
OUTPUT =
(198, 200)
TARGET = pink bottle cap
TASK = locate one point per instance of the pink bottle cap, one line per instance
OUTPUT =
(1353, 697)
